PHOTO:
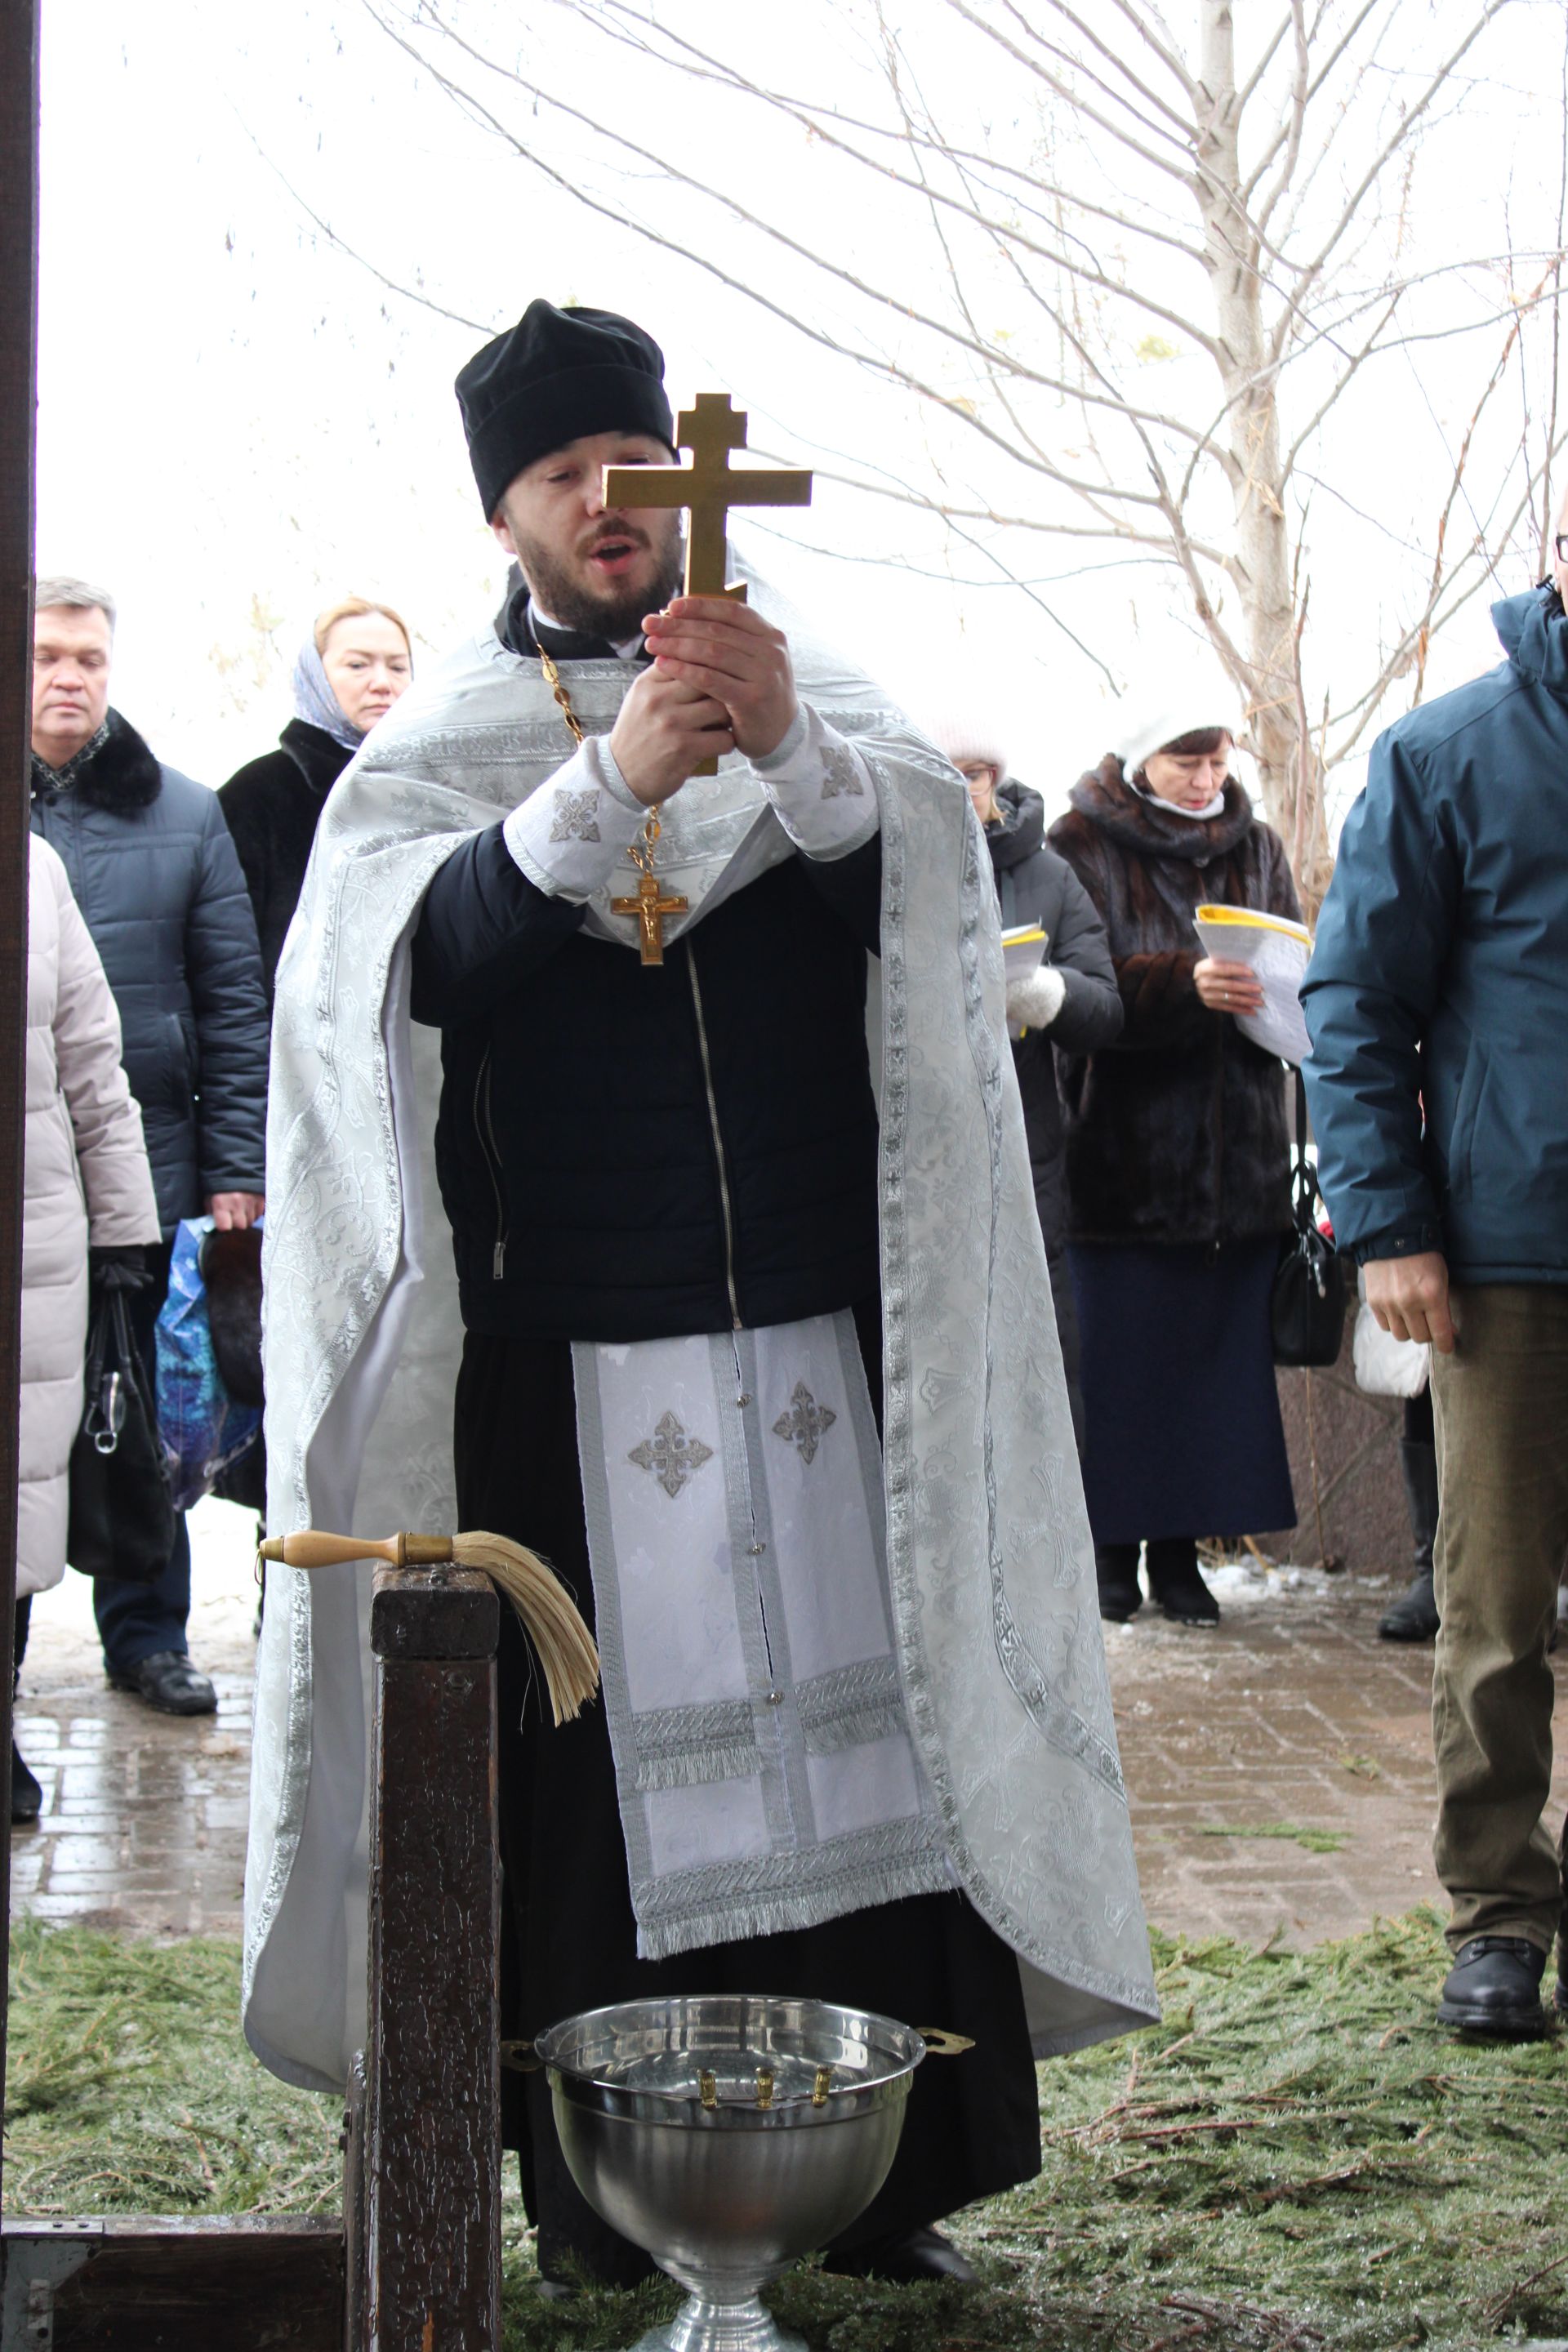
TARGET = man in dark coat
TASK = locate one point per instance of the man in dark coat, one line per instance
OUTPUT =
(1438, 985)
(154, 870)
(1068, 1004)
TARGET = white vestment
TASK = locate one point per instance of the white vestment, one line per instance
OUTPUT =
(989, 1565)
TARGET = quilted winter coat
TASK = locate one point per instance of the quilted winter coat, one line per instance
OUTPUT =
(154, 870)
(86, 1179)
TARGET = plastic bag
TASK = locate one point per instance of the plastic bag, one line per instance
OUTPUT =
(205, 1432)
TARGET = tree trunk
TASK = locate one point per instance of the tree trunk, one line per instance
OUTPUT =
(1261, 571)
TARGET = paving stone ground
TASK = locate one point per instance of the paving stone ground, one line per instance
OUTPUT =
(1291, 1713)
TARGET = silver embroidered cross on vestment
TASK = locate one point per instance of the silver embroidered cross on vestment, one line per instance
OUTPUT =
(575, 815)
(806, 1422)
(672, 1454)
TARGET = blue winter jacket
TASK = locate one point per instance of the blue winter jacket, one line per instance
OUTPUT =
(1440, 977)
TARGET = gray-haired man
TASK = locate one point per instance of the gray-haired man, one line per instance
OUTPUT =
(154, 872)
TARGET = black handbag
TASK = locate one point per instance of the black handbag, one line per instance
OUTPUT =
(1307, 1309)
(122, 1509)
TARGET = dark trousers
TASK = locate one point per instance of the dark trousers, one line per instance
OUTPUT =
(569, 1937)
(1501, 1408)
(137, 1621)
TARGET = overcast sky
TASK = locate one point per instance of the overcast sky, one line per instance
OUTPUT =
(240, 421)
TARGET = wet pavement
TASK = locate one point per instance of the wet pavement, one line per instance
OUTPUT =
(1289, 1717)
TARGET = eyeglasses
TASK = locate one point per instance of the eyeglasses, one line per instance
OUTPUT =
(1560, 544)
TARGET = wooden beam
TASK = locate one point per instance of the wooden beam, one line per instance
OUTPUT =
(18, 379)
(431, 2152)
(180, 2285)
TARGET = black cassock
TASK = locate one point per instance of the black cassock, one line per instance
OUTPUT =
(568, 1936)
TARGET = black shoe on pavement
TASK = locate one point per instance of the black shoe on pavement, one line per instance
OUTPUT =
(168, 1681)
(1494, 1989)
(26, 1797)
(904, 2261)
(1176, 1582)
(1116, 1573)
(1413, 1616)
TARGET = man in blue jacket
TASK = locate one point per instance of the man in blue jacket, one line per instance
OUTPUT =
(1437, 1003)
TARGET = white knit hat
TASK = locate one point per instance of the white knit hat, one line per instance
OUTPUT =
(967, 739)
(1169, 703)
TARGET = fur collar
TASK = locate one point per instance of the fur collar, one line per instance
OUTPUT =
(1107, 800)
(319, 760)
(122, 774)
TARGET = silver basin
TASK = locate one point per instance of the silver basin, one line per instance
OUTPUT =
(727, 2134)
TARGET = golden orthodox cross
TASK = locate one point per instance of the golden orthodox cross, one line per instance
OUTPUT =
(709, 429)
(650, 906)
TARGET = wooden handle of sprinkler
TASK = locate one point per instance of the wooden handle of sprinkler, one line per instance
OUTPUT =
(309, 1549)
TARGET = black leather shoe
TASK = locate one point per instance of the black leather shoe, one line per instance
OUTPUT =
(168, 1681)
(1494, 1989)
(26, 1797)
(920, 2254)
(1116, 1573)
(1413, 1616)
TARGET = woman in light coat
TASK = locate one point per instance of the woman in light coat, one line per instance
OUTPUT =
(87, 1184)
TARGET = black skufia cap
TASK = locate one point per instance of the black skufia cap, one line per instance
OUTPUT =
(553, 377)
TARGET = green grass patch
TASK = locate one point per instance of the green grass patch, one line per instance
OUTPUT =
(1296, 2157)
(1315, 1841)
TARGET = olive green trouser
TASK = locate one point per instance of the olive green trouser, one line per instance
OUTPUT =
(1500, 1408)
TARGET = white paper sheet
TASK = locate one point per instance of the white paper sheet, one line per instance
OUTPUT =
(1277, 950)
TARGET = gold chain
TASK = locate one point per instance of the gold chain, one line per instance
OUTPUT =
(639, 851)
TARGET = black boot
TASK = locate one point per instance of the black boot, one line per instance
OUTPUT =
(26, 1797)
(1494, 1989)
(1175, 1581)
(1413, 1616)
(1116, 1572)
(919, 2254)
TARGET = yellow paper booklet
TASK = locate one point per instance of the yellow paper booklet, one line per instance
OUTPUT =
(1023, 950)
(1276, 949)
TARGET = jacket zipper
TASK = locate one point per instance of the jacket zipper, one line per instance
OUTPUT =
(484, 1127)
(718, 1143)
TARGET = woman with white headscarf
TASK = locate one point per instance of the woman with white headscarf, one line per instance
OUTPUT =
(1177, 1156)
(351, 668)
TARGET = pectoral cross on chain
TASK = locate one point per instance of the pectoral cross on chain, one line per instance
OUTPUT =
(650, 906)
(709, 429)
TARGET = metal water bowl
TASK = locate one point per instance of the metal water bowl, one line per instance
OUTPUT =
(727, 2134)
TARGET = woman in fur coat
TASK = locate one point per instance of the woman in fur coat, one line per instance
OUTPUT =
(1178, 1161)
(87, 1192)
(351, 668)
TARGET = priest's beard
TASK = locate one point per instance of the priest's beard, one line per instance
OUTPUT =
(616, 612)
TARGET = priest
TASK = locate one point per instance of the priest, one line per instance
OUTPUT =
(721, 1288)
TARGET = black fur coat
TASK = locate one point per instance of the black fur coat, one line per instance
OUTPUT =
(1175, 1132)
(272, 807)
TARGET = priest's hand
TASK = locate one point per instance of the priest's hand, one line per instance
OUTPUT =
(665, 730)
(725, 649)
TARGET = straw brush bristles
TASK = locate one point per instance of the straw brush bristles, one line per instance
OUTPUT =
(567, 1651)
(565, 1648)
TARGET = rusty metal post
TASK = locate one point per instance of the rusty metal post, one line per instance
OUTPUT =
(19, 378)
(431, 2164)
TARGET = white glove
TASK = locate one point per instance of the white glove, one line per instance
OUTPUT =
(1033, 1002)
